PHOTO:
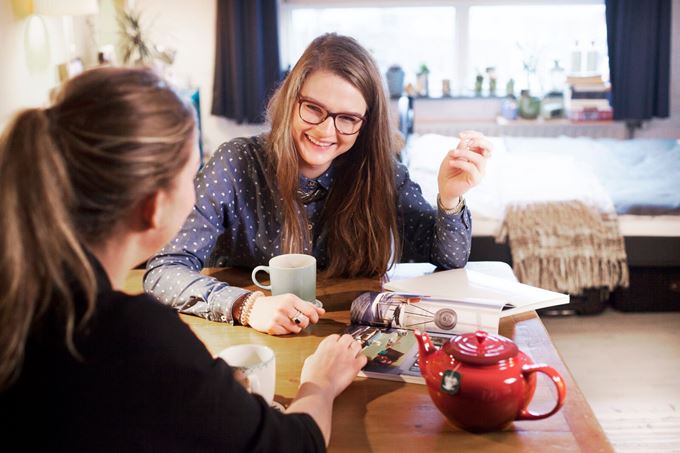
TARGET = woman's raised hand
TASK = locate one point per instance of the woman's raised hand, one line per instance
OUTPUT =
(463, 167)
(276, 315)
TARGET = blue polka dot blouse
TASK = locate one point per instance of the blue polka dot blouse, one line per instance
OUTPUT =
(235, 223)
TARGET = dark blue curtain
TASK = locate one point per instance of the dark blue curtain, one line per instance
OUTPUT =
(247, 67)
(639, 40)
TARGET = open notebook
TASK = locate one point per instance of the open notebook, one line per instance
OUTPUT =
(465, 283)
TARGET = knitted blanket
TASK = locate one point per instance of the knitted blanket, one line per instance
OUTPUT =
(561, 225)
(565, 246)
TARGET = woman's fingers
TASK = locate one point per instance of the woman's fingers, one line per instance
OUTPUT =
(474, 172)
(475, 141)
(285, 325)
(283, 314)
(346, 340)
(311, 311)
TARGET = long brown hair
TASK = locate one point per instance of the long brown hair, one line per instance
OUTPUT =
(360, 213)
(67, 175)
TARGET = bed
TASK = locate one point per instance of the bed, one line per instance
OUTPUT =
(640, 178)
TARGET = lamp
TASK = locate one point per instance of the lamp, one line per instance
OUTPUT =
(65, 7)
(67, 10)
(24, 8)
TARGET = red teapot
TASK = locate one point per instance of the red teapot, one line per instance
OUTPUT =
(483, 382)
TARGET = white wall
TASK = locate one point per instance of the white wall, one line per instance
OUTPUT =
(30, 50)
(189, 27)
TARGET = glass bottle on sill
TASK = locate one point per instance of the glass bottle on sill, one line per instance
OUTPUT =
(479, 80)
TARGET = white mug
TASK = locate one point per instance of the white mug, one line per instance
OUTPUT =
(292, 273)
(258, 364)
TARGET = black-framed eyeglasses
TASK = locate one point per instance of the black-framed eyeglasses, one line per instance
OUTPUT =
(345, 123)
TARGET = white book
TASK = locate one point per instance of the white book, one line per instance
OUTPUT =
(465, 284)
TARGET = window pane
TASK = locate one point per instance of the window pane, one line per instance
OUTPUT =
(408, 36)
(505, 37)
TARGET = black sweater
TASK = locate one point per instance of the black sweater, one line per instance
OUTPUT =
(145, 383)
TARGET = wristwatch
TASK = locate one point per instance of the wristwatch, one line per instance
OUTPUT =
(455, 210)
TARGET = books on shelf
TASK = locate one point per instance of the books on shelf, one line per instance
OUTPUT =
(444, 304)
(589, 79)
(590, 114)
(588, 98)
(589, 93)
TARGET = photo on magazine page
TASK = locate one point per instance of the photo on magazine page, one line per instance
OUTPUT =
(392, 353)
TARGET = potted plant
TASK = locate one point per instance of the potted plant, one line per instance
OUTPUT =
(137, 49)
(422, 82)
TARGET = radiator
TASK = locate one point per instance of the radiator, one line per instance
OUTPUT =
(553, 128)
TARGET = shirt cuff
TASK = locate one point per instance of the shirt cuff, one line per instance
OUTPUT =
(222, 303)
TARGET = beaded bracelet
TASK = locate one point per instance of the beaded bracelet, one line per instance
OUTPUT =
(248, 307)
(237, 308)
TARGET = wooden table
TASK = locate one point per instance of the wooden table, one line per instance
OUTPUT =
(381, 415)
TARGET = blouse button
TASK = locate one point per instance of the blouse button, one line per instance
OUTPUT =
(310, 226)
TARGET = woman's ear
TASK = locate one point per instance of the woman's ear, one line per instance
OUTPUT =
(150, 211)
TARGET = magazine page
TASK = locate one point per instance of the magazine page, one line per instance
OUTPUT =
(431, 314)
(384, 324)
(466, 283)
(392, 353)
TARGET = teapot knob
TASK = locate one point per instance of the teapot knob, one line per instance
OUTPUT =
(480, 335)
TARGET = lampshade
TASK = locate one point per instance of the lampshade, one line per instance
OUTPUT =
(65, 7)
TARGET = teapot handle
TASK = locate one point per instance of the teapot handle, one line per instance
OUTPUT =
(525, 413)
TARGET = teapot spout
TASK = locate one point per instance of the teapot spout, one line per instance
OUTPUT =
(425, 345)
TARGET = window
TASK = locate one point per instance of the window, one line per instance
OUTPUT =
(542, 37)
(408, 36)
(460, 39)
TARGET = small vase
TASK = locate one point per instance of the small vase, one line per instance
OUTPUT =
(395, 81)
(529, 106)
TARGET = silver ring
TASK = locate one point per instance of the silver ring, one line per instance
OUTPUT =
(296, 317)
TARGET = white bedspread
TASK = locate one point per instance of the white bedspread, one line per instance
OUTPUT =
(516, 179)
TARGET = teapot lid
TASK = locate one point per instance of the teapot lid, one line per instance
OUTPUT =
(480, 348)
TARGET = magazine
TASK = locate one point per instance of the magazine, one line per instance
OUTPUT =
(462, 284)
(384, 324)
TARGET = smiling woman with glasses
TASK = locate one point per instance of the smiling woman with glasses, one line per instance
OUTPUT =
(324, 181)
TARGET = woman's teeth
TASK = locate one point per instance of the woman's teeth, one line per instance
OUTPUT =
(318, 143)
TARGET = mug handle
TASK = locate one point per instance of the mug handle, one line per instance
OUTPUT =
(525, 413)
(254, 278)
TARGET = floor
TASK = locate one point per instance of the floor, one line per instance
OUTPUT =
(628, 367)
